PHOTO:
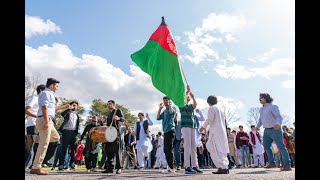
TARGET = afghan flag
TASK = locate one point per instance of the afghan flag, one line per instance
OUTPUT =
(159, 59)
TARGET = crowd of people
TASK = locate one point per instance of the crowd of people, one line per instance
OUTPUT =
(183, 142)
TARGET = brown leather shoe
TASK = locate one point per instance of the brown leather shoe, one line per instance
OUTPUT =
(286, 167)
(270, 166)
(38, 171)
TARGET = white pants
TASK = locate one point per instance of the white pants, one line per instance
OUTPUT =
(189, 144)
(219, 159)
(161, 160)
(142, 152)
(255, 159)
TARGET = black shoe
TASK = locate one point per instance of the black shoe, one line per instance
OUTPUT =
(178, 168)
(198, 170)
(221, 171)
(60, 168)
(107, 171)
(48, 164)
(231, 167)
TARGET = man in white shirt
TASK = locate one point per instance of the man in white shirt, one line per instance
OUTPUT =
(256, 142)
(31, 110)
(143, 146)
(161, 157)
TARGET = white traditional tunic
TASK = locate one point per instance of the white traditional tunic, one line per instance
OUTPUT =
(217, 143)
(258, 147)
(160, 156)
(258, 150)
(143, 146)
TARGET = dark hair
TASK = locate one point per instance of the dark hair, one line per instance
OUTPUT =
(229, 128)
(112, 101)
(159, 133)
(267, 97)
(252, 126)
(166, 97)
(57, 99)
(40, 88)
(240, 126)
(140, 113)
(51, 81)
(74, 102)
(212, 100)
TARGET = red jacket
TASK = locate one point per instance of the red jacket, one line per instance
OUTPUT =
(239, 142)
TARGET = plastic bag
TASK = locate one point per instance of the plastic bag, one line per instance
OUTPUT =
(274, 148)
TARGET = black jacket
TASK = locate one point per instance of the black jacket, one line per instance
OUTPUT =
(133, 138)
(145, 127)
(66, 115)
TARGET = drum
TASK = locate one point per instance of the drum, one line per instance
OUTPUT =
(103, 134)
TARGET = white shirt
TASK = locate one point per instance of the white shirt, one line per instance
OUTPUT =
(142, 133)
(33, 103)
(72, 122)
(160, 143)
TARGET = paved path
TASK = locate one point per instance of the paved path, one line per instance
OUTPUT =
(245, 174)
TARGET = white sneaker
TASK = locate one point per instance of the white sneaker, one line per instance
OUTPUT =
(168, 171)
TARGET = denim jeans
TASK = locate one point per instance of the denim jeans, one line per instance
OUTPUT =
(177, 152)
(149, 160)
(270, 135)
(245, 148)
(57, 155)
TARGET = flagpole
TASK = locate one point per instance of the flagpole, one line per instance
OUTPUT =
(185, 79)
(183, 74)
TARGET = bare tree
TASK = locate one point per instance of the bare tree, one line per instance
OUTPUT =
(253, 116)
(31, 82)
(229, 114)
(286, 120)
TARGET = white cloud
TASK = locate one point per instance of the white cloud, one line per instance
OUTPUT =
(177, 38)
(200, 41)
(264, 56)
(289, 84)
(234, 72)
(91, 77)
(282, 66)
(35, 25)
(223, 23)
(230, 38)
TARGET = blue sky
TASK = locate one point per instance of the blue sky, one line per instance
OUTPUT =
(232, 49)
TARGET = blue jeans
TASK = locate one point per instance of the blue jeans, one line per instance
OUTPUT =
(270, 135)
(149, 160)
(57, 155)
(177, 152)
(245, 148)
(66, 159)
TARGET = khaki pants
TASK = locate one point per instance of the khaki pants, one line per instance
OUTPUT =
(233, 152)
(133, 159)
(45, 136)
(190, 148)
